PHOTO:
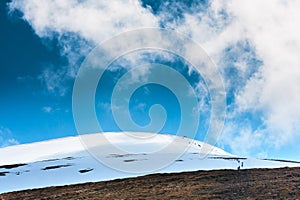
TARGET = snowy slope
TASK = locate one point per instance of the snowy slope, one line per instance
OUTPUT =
(65, 161)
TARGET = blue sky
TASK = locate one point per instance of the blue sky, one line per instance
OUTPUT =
(23, 98)
(42, 47)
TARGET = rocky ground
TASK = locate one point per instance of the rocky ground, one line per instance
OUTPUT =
(281, 183)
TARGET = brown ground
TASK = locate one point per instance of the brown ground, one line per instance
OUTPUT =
(281, 183)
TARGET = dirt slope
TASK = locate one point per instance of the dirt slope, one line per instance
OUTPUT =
(281, 183)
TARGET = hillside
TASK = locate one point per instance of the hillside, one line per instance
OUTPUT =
(216, 184)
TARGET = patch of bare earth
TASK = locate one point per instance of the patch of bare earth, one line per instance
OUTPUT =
(281, 183)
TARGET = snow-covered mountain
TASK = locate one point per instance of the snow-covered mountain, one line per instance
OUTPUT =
(65, 161)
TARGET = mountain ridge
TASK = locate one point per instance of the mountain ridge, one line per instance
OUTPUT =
(65, 161)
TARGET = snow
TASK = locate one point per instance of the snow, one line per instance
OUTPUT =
(59, 162)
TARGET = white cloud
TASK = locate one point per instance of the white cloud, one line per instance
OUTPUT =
(271, 27)
(79, 26)
(92, 19)
(6, 137)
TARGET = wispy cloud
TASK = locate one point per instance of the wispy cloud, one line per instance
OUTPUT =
(6, 137)
(47, 109)
(262, 76)
(55, 81)
(78, 26)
